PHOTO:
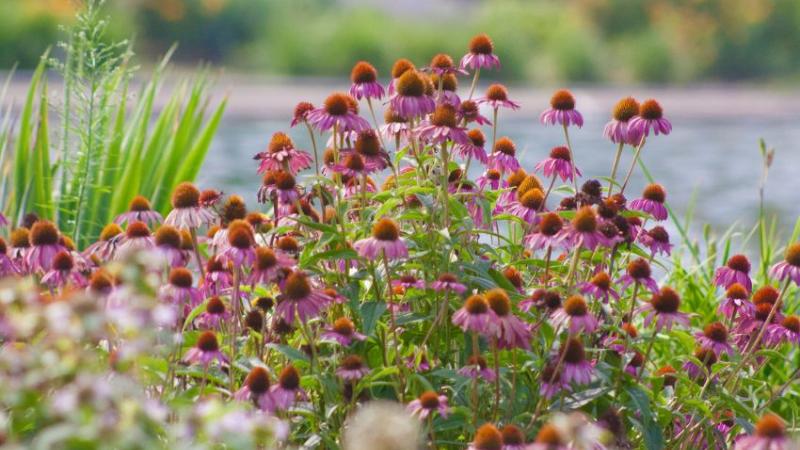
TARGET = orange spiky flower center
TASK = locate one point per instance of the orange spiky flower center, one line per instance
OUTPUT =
(651, 110)
(506, 146)
(481, 44)
(185, 195)
(337, 104)
(625, 109)
(386, 230)
(139, 204)
(476, 304)
(363, 72)
(666, 301)
(562, 100)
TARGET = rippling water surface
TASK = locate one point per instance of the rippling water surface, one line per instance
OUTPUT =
(718, 161)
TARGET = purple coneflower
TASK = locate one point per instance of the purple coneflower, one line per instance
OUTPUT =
(473, 149)
(395, 126)
(750, 324)
(550, 382)
(137, 238)
(410, 99)
(139, 211)
(511, 332)
(476, 316)
(559, 162)
(651, 116)
(488, 437)
(638, 271)
(281, 154)
(442, 127)
(399, 67)
(663, 310)
(105, 246)
(385, 240)
(657, 240)
(63, 271)
(240, 250)
(736, 270)
(617, 129)
(187, 211)
(503, 157)
(256, 389)
(205, 351)
(168, 243)
(352, 368)
(786, 331)
(513, 438)
(20, 245)
(448, 282)
(576, 315)
(368, 145)
(477, 367)
(365, 82)
(707, 358)
(715, 337)
(338, 112)
(599, 287)
(481, 54)
(179, 290)
(492, 178)
(547, 234)
(575, 367)
(353, 165)
(652, 202)
(299, 299)
(447, 95)
(301, 111)
(528, 206)
(7, 265)
(497, 97)
(218, 276)
(288, 389)
(427, 403)
(736, 301)
(215, 313)
(45, 244)
(409, 281)
(790, 266)
(343, 331)
(550, 437)
(583, 230)
(442, 64)
(562, 110)
(770, 434)
(469, 111)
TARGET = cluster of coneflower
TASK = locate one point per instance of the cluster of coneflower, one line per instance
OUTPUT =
(422, 262)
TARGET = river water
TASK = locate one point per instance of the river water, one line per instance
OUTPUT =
(714, 163)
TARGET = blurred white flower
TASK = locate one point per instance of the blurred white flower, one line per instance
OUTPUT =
(382, 425)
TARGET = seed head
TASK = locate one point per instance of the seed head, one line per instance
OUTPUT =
(481, 44)
(625, 109)
(650, 110)
(562, 100)
(386, 230)
(185, 195)
(363, 72)
(44, 233)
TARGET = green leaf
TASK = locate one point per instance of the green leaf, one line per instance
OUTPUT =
(370, 313)
(290, 352)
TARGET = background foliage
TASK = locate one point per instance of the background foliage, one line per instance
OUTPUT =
(544, 40)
